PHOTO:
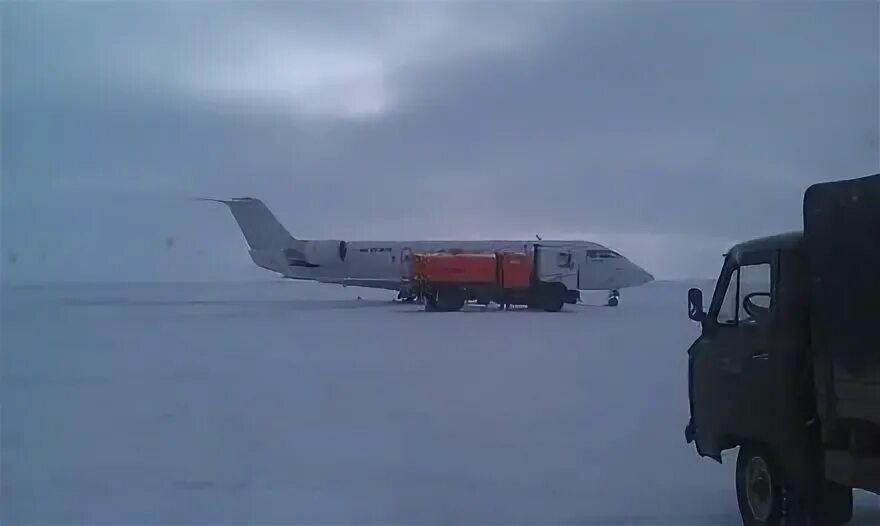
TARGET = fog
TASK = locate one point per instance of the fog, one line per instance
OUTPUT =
(664, 130)
(152, 374)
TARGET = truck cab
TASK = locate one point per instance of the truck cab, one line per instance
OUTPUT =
(750, 382)
(731, 376)
(787, 365)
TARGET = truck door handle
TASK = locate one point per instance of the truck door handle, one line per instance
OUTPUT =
(759, 355)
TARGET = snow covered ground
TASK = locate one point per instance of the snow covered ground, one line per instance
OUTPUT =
(298, 403)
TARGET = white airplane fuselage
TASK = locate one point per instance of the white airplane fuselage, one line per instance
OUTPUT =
(384, 264)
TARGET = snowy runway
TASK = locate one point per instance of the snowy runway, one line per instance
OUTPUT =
(297, 403)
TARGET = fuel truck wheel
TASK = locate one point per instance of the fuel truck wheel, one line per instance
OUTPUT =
(450, 299)
(552, 298)
(431, 300)
(760, 491)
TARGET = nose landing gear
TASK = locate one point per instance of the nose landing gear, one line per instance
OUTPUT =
(407, 296)
(613, 298)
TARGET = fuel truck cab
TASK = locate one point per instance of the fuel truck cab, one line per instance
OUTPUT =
(787, 366)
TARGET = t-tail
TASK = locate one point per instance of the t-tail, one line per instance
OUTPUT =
(270, 244)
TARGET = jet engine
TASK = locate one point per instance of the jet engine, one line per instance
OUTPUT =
(325, 252)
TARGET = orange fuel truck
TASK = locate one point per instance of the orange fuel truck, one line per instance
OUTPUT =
(537, 278)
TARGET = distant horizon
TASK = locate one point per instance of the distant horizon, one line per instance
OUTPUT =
(244, 281)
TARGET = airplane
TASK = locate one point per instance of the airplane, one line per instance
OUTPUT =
(384, 264)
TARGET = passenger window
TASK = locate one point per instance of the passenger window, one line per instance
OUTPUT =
(754, 293)
(727, 313)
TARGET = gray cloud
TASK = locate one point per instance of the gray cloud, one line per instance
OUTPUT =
(665, 130)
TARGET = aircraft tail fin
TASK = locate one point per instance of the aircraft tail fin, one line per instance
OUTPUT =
(258, 224)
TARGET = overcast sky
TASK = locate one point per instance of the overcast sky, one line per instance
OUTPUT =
(666, 130)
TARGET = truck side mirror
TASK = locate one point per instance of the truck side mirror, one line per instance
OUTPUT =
(695, 305)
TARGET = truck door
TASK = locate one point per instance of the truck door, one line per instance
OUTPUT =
(729, 363)
(556, 265)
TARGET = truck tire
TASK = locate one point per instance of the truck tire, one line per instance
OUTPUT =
(450, 299)
(431, 301)
(760, 490)
(553, 298)
(553, 304)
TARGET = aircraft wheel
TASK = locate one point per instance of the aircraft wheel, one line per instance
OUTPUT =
(613, 298)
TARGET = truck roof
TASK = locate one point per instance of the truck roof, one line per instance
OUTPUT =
(787, 241)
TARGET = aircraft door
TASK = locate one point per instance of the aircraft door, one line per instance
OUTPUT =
(596, 269)
(603, 269)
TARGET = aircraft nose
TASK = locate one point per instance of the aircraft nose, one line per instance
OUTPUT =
(642, 275)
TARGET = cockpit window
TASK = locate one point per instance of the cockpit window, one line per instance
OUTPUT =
(602, 254)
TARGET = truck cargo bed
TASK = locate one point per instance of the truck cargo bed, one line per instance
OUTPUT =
(852, 471)
(842, 247)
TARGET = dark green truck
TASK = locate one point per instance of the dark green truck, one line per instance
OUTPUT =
(787, 367)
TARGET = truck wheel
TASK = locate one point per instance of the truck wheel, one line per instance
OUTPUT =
(553, 304)
(553, 298)
(612, 301)
(760, 491)
(450, 300)
(431, 301)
